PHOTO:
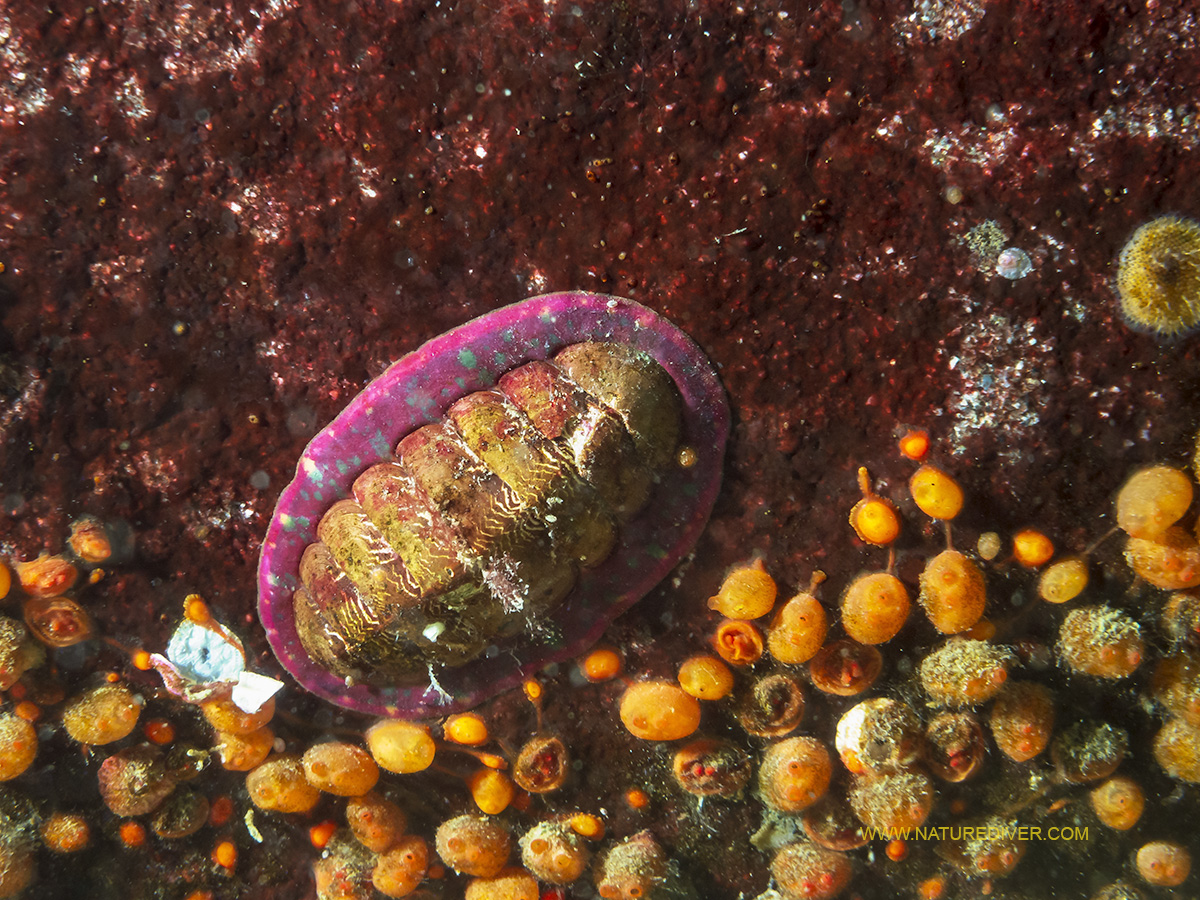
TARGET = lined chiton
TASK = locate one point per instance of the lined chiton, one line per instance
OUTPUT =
(491, 503)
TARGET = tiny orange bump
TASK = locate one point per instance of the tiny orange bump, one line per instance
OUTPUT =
(196, 609)
(636, 798)
(133, 834)
(159, 731)
(873, 518)
(748, 592)
(588, 826)
(220, 811)
(200, 895)
(141, 660)
(533, 689)
(5, 580)
(1031, 548)
(28, 711)
(932, 888)
(225, 855)
(897, 849)
(467, 729)
(936, 493)
(320, 834)
(112, 677)
(914, 443)
(602, 664)
(738, 642)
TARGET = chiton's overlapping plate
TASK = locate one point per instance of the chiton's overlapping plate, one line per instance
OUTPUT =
(328, 631)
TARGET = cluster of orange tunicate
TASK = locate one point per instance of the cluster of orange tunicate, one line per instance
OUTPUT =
(1162, 550)
(1149, 505)
(893, 754)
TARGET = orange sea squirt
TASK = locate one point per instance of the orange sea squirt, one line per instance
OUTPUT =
(873, 518)
(705, 677)
(401, 868)
(339, 768)
(474, 845)
(875, 607)
(953, 594)
(1151, 500)
(1170, 561)
(936, 493)
(1064, 580)
(748, 592)
(798, 630)
(738, 642)
(279, 785)
(794, 774)
(1119, 802)
(513, 883)
(401, 747)
(659, 711)
(375, 821)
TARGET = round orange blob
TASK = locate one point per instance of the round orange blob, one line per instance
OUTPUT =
(659, 711)
(399, 870)
(636, 798)
(748, 592)
(467, 729)
(798, 630)
(491, 790)
(1063, 581)
(133, 834)
(18, 746)
(794, 774)
(341, 769)
(65, 832)
(279, 785)
(227, 716)
(225, 854)
(914, 444)
(473, 845)
(1119, 802)
(874, 608)
(401, 747)
(375, 821)
(936, 493)
(242, 752)
(1032, 548)
(873, 518)
(1164, 863)
(705, 677)
(602, 664)
(1171, 561)
(953, 593)
(1152, 500)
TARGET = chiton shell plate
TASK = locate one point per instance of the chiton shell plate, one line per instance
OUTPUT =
(418, 390)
